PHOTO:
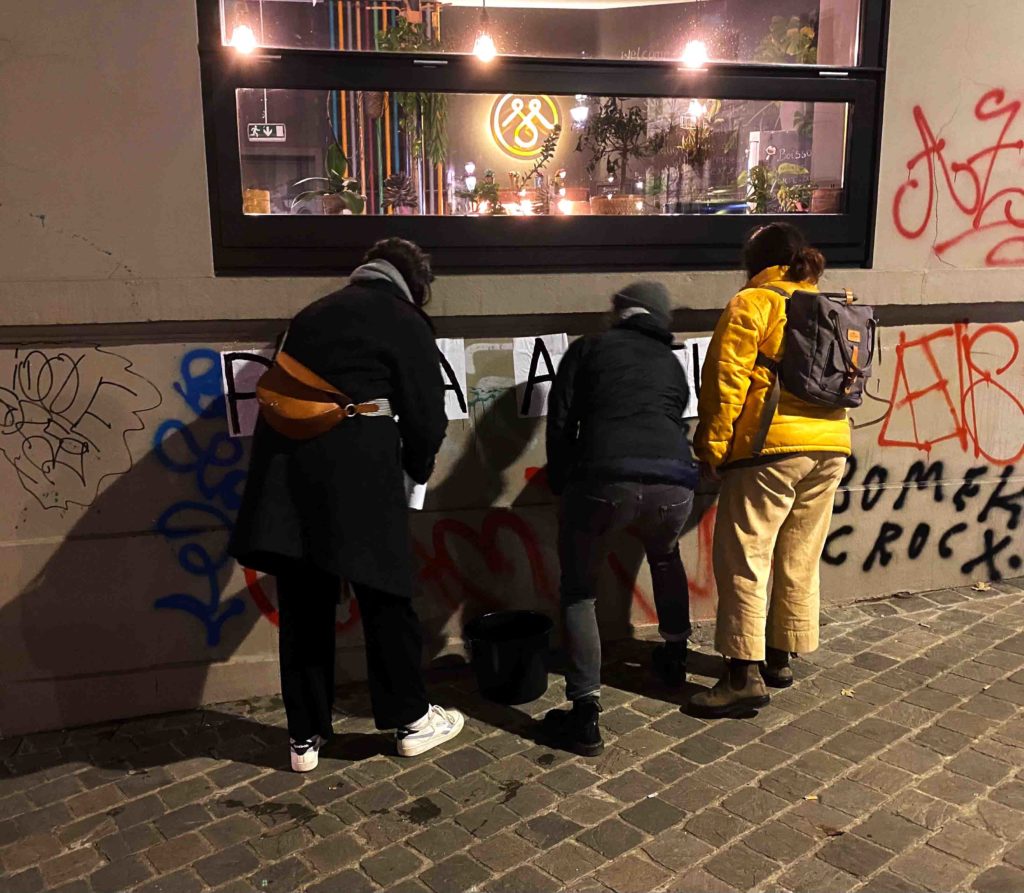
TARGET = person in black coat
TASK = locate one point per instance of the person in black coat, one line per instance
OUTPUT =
(334, 507)
(618, 455)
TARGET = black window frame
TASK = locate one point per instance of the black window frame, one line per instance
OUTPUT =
(317, 245)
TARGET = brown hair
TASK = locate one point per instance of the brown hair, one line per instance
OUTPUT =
(410, 260)
(782, 245)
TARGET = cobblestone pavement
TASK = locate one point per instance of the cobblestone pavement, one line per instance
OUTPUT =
(894, 764)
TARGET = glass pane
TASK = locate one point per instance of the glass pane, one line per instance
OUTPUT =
(343, 152)
(823, 32)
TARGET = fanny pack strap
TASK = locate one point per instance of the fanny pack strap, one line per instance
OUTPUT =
(309, 379)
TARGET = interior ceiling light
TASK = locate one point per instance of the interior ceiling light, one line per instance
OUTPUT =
(695, 54)
(242, 39)
(580, 112)
(697, 109)
(484, 48)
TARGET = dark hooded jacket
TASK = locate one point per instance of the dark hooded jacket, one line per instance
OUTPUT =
(616, 409)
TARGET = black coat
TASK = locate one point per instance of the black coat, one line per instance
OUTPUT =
(616, 408)
(338, 501)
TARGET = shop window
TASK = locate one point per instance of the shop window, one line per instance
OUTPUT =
(614, 134)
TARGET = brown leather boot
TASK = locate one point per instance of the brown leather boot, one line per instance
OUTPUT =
(740, 690)
(775, 670)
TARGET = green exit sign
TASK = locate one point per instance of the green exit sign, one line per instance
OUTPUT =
(266, 133)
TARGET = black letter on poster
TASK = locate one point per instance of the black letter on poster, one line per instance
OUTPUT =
(533, 379)
(451, 382)
(233, 395)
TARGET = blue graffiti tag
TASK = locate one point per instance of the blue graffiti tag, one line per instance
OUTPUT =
(219, 482)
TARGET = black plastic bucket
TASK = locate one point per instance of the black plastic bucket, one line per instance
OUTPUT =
(508, 651)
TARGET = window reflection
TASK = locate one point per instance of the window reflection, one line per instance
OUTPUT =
(796, 32)
(365, 152)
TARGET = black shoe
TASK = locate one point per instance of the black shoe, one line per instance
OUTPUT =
(576, 730)
(775, 669)
(669, 664)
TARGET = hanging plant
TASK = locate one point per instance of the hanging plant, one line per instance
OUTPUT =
(425, 115)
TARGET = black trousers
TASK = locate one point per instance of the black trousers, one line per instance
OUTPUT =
(307, 602)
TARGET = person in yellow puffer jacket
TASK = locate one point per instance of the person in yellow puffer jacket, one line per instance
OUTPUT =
(778, 486)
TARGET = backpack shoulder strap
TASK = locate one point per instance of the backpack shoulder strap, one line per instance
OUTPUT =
(771, 403)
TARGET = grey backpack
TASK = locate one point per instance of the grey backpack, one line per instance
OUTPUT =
(827, 350)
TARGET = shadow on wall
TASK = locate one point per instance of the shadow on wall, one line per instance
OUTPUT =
(132, 609)
(139, 610)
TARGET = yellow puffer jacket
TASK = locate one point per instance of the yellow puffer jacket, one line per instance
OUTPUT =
(734, 388)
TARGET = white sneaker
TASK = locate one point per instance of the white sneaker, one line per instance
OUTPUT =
(305, 754)
(436, 727)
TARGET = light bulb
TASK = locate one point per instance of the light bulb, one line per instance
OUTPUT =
(242, 39)
(470, 168)
(484, 48)
(697, 109)
(639, 206)
(639, 184)
(695, 54)
(580, 113)
(565, 206)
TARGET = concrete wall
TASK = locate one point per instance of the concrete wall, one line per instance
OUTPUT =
(115, 598)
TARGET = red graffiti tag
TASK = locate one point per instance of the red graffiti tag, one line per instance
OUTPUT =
(441, 569)
(939, 410)
(968, 184)
(267, 608)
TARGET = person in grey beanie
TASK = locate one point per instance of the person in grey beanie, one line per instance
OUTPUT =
(619, 457)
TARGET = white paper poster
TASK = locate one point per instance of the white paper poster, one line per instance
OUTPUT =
(453, 370)
(240, 370)
(691, 357)
(535, 361)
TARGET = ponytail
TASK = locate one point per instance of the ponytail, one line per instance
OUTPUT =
(807, 266)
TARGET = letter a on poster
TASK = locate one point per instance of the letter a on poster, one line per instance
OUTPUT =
(453, 371)
(535, 361)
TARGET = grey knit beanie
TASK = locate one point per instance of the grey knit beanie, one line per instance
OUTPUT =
(651, 297)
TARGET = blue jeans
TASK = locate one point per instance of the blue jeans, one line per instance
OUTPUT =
(590, 511)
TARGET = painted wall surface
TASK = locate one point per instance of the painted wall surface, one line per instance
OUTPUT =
(121, 482)
(118, 597)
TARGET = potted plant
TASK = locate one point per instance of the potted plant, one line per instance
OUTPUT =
(535, 177)
(485, 197)
(338, 193)
(425, 115)
(768, 189)
(792, 40)
(616, 134)
(400, 194)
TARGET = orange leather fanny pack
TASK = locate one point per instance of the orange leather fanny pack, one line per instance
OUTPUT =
(299, 404)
